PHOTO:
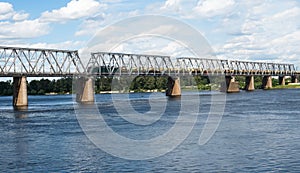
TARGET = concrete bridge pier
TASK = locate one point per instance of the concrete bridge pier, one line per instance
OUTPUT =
(281, 80)
(230, 85)
(20, 98)
(174, 88)
(294, 79)
(85, 90)
(267, 82)
(249, 83)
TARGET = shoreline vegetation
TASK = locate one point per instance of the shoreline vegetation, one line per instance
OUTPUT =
(130, 85)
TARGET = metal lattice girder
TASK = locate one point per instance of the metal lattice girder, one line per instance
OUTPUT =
(104, 63)
(202, 66)
(16, 61)
(261, 68)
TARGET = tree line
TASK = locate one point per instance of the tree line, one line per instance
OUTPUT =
(125, 84)
(39, 87)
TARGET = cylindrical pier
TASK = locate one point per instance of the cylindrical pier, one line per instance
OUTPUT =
(20, 98)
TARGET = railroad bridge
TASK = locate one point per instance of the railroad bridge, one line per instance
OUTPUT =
(20, 63)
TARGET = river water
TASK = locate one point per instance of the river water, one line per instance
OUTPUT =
(259, 132)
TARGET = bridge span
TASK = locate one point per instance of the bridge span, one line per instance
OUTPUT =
(20, 63)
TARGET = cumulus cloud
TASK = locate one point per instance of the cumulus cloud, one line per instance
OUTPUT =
(181, 8)
(93, 24)
(211, 8)
(152, 45)
(279, 23)
(23, 29)
(66, 45)
(172, 5)
(20, 16)
(267, 31)
(75, 9)
(7, 12)
(15, 25)
(5, 7)
(90, 25)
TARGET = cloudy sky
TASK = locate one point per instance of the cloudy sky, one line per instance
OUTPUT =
(263, 30)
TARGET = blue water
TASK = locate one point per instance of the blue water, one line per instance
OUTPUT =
(259, 132)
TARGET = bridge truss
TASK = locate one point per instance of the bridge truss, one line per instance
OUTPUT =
(16, 61)
(39, 62)
(203, 66)
(104, 63)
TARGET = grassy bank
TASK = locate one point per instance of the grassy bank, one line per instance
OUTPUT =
(294, 86)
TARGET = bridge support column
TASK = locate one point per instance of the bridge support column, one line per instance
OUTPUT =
(249, 83)
(230, 86)
(85, 90)
(174, 88)
(20, 98)
(294, 79)
(281, 80)
(267, 82)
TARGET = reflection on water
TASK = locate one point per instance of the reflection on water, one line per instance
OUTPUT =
(21, 144)
(20, 112)
(259, 132)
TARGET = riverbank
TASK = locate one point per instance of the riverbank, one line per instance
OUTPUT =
(289, 86)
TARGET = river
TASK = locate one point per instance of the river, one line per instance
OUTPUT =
(259, 132)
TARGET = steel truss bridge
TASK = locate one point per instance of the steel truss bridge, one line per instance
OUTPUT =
(39, 62)
(31, 62)
(103, 63)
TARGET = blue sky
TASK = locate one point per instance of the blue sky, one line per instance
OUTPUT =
(263, 30)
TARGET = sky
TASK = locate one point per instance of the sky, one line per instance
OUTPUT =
(256, 30)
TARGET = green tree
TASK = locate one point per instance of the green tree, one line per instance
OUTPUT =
(6, 88)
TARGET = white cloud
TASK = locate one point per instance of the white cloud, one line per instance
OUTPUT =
(286, 45)
(5, 16)
(211, 8)
(23, 29)
(237, 29)
(152, 45)
(260, 46)
(20, 16)
(172, 5)
(5, 8)
(75, 9)
(7, 12)
(279, 23)
(265, 31)
(180, 8)
(66, 45)
(92, 25)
